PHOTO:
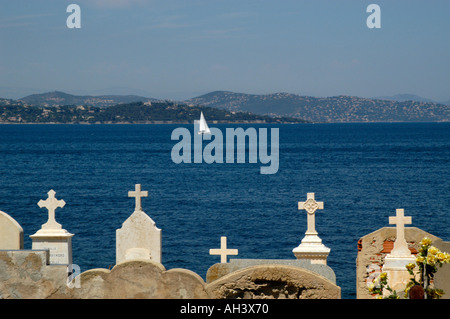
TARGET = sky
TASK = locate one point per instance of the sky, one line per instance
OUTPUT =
(179, 49)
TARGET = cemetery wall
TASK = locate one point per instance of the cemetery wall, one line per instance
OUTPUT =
(26, 274)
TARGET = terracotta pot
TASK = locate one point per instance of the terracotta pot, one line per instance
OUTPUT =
(416, 292)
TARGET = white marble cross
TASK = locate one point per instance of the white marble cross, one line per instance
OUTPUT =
(400, 244)
(223, 251)
(311, 205)
(137, 193)
(51, 203)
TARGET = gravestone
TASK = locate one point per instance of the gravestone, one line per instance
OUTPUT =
(52, 236)
(139, 238)
(400, 256)
(311, 246)
(223, 251)
(11, 233)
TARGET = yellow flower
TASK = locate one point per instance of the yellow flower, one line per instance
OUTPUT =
(441, 257)
(383, 276)
(431, 260)
(426, 241)
(433, 250)
(447, 258)
(419, 260)
(410, 266)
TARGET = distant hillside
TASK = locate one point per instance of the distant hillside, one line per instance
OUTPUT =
(397, 108)
(327, 109)
(139, 112)
(57, 98)
(405, 97)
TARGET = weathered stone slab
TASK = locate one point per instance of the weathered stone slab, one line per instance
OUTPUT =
(139, 238)
(273, 282)
(219, 270)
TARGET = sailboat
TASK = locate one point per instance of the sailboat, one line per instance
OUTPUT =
(203, 126)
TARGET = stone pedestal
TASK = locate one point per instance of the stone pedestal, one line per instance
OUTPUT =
(397, 274)
(312, 248)
(57, 241)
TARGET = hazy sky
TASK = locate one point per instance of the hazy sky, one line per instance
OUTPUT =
(183, 48)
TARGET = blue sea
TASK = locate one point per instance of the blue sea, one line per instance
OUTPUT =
(362, 173)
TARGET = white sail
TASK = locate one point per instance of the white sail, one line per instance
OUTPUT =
(203, 126)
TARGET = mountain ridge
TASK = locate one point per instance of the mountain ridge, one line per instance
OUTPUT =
(340, 108)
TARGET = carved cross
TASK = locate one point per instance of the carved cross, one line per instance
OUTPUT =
(223, 251)
(400, 244)
(138, 194)
(311, 205)
(51, 203)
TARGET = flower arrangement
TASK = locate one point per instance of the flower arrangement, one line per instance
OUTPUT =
(378, 286)
(427, 261)
(421, 284)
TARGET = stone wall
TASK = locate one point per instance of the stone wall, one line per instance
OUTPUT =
(26, 274)
(140, 279)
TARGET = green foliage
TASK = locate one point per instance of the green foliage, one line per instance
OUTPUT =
(138, 112)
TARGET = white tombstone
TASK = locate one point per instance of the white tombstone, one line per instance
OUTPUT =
(52, 236)
(139, 238)
(311, 246)
(395, 262)
(11, 233)
(223, 251)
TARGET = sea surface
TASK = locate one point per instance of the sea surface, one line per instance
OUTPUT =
(362, 173)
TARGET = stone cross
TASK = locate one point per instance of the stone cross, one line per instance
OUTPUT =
(223, 251)
(51, 203)
(311, 205)
(137, 193)
(400, 244)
